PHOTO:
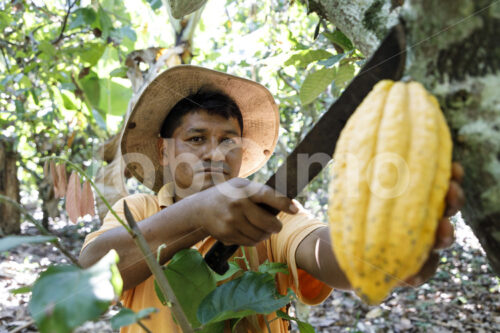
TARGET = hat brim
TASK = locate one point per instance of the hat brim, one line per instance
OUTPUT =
(139, 141)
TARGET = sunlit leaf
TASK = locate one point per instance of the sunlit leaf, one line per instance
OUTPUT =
(21, 290)
(10, 242)
(273, 268)
(315, 83)
(343, 75)
(304, 58)
(64, 297)
(114, 97)
(68, 101)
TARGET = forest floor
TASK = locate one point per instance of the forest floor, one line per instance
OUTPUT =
(463, 296)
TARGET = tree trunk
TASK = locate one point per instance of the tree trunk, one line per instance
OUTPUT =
(9, 186)
(453, 49)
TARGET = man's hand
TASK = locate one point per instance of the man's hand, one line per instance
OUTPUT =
(230, 212)
(455, 199)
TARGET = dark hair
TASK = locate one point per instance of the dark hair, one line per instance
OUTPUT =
(213, 102)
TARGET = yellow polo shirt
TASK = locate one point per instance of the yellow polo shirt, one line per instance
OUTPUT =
(281, 247)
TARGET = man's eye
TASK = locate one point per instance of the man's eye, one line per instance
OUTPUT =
(196, 139)
(228, 141)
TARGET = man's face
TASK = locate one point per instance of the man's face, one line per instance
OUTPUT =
(204, 150)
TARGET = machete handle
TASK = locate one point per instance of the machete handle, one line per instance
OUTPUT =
(218, 255)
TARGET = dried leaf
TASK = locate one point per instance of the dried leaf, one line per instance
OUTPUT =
(46, 169)
(70, 139)
(87, 202)
(73, 197)
(53, 175)
(62, 179)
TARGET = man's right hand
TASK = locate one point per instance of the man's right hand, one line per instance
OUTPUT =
(230, 211)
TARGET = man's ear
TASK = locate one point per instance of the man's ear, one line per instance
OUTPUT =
(162, 151)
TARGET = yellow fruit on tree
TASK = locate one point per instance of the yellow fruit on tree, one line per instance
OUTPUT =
(391, 171)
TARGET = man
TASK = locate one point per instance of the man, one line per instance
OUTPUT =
(192, 137)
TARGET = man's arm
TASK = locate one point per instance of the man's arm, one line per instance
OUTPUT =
(170, 226)
(235, 218)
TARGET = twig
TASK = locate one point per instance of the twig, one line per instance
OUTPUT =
(65, 21)
(20, 328)
(157, 271)
(6, 60)
(41, 228)
(143, 326)
(288, 83)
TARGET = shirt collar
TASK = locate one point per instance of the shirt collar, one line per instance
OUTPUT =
(166, 195)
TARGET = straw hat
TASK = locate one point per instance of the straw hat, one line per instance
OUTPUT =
(139, 141)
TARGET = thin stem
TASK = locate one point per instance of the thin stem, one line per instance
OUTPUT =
(143, 326)
(65, 21)
(267, 324)
(157, 271)
(41, 228)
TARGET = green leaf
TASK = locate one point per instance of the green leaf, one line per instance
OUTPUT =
(343, 75)
(19, 107)
(82, 16)
(155, 4)
(68, 101)
(91, 87)
(47, 48)
(128, 317)
(21, 290)
(114, 97)
(104, 22)
(64, 297)
(92, 53)
(99, 119)
(119, 72)
(340, 39)
(304, 58)
(233, 269)
(250, 294)
(10, 242)
(191, 279)
(273, 268)
(303, 326)
(315, 83)
(332, 60)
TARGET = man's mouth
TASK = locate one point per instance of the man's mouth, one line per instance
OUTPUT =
(212, 170)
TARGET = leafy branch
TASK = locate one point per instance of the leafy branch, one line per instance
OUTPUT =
(65, 21)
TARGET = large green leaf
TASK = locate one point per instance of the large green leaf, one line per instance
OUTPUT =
(114, 97)
(92, 53)
(82, 16)
(90, 84)
(315, 83)
(250, 294)
(64, 297)
(343, 75)
(305, 57)
(191, 279)
(10, 242)
(128, 317)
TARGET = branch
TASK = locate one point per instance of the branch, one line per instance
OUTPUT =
(6, 60)
(41, 228)
(65, 21)
(157, 271)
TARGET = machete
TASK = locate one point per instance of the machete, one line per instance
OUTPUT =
(387, 62)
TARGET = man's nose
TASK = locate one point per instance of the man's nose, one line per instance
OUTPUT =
(212, 151)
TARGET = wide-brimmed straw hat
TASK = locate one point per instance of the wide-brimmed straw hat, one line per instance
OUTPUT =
(139, 140)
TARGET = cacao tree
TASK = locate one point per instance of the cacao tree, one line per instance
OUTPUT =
(453, 50)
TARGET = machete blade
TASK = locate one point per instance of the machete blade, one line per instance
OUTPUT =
(387, 62)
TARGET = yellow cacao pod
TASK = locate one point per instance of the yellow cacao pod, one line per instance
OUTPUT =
(390, 176)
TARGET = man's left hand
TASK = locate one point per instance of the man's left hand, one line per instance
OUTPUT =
(455, 199)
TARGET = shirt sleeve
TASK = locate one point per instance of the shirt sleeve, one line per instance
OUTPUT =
(284, 246)
(140, 205)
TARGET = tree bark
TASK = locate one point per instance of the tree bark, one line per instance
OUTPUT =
(453, 49)
(9, 186)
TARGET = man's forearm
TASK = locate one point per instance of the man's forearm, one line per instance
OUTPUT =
(315, 255)
(169, 226)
